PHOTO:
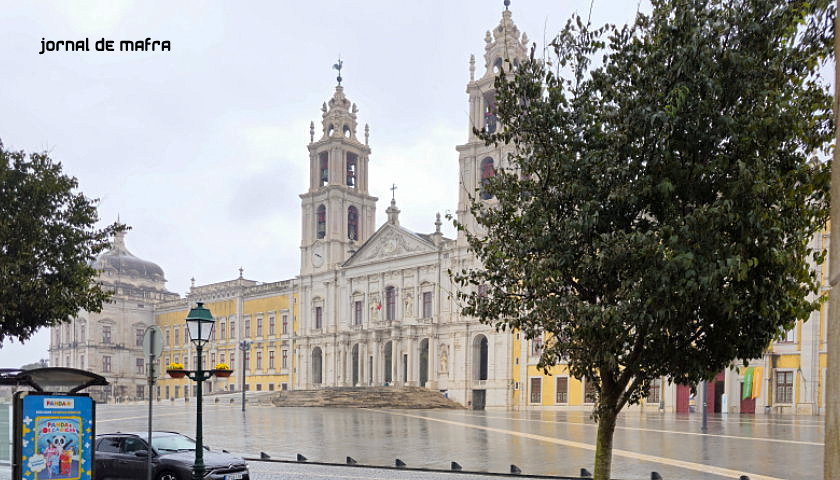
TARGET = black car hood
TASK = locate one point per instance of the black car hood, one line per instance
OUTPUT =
(211, 459)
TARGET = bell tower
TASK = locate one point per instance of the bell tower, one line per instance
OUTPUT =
(337, 212)
(504, 48)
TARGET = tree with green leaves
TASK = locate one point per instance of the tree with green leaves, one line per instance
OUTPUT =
(655, 217)
(48, 242)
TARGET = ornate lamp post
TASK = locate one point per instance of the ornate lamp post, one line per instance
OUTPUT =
(200, 324)
(244, 345)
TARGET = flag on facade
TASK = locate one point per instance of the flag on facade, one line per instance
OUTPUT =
(748, 383)
(756, 382)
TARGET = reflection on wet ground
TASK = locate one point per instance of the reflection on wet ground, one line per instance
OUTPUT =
(539, 442)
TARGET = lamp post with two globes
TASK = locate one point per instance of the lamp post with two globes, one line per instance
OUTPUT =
(200, 325)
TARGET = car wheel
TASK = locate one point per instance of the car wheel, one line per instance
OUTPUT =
(167, 476)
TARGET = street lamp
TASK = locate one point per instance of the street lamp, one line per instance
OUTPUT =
(244, 345)
(200, 324)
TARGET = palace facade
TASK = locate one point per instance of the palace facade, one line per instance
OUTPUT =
(374, 304)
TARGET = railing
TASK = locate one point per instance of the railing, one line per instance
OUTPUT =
(455, 467)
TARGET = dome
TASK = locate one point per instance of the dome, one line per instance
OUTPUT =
(119, 260)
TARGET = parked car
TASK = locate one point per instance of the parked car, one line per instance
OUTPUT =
(123, 456)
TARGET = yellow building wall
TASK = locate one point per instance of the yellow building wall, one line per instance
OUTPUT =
(517, 377)
(265, 306)
(176, 321)
(549, 385)
(787, 361)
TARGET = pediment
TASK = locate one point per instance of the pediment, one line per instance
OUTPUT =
(390, 241)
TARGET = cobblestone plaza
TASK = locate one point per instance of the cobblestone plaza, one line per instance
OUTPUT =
(539, 442)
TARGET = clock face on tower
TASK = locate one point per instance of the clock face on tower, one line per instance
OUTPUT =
(317, 257)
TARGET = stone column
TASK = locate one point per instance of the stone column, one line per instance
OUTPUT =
(376, 374)
(396, 361)
(413, 365)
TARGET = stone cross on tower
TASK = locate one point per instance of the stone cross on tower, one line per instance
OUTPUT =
(393, 190)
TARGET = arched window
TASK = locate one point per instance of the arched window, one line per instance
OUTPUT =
(487, 171)
(322, 221)
(490, 112)
(480, 357)
(352, 160)
(390, 304)
(497, 65)
(352, 223)
(324, 164)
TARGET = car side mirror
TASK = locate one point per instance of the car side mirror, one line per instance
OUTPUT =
(141, 453)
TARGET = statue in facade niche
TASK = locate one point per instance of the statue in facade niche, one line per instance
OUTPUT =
(408, 303)
(444, 359)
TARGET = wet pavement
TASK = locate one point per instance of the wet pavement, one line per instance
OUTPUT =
(538, 442)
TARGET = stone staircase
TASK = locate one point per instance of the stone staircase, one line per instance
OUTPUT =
(363, 397)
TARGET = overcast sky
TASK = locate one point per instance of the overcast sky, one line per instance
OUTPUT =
(202, 149)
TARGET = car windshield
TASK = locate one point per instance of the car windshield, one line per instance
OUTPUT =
(173, 443)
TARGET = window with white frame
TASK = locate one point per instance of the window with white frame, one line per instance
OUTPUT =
(562, 392)
(357, 312)
(319, 317)
(536, 390)
(655, 391)
(789, 336)
(590, 394)
(427, 304)
(537, 346)
(784, 386)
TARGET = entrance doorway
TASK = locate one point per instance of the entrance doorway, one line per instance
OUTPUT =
(424, 362)
(388, 367)
(747, 404)
(354, 360)
(316, 366)
(479, 398)
(683, 394)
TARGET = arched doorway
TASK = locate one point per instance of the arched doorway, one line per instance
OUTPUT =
(317, 377)
(388, 362)
(354, 360)
(480, 367)
(424, 362)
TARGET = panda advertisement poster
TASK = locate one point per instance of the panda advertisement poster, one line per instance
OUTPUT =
(56, 437)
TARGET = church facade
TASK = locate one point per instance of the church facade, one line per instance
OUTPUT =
(374, 304)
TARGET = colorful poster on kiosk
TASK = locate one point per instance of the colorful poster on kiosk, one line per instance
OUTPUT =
(56, 437)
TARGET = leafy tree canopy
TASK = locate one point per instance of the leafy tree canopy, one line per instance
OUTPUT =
(47, 244)
(656, 215)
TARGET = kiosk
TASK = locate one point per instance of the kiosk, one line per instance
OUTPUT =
(53, 431)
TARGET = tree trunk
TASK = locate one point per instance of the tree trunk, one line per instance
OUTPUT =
(604, 441)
